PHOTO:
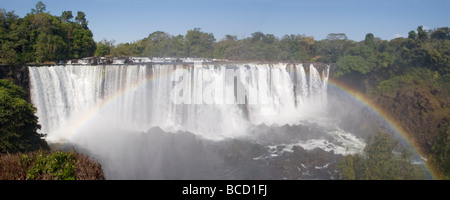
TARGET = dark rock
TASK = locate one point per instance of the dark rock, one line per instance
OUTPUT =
(128, 60)
(435, 91)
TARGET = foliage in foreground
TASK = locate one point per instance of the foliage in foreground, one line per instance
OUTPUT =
(43, 165)
(380, 162)
(440, 153)
(18, 124)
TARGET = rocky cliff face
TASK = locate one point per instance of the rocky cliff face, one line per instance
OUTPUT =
(421, 111)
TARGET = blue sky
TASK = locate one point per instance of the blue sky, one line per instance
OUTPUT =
(131, 20)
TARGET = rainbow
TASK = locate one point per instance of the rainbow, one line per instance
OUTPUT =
(383, 116)
(93, 111)
(376, 110)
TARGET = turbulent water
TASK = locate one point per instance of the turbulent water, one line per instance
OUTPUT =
(182, 120)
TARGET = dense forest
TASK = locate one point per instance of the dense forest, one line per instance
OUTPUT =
(405, 76)
(40, 36)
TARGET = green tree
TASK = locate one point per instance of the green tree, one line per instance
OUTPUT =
(18, 124)
(379, 162)
(49, 47)
(81, 19)
(440, 153)
(296, 47)
(67, 16)
(40, 8)
(421, 34)
(369, 40)
(8, 40)
(157, 44)
(441, 34)
(336, 36)
(379, 154)
(104, 48)
(334, 46)
(177, 46)
(346, 168)
(198, 43)
(264, 46)
(48, 37)
(127, 49)
(231, 37)
(83, 43)
(257, 36)
(40, 37)
(349, 64)
(412, 35)
(226, 47)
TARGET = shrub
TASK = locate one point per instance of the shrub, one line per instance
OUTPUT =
(379, 162)
(59, 165)
(43, 165)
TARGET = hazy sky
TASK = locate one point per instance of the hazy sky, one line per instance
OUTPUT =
(131, 20)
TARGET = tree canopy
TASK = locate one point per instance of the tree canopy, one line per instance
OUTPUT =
(40, 36)
(18, 124)
(380, 162)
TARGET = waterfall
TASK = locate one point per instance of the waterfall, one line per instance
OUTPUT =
(212, 100)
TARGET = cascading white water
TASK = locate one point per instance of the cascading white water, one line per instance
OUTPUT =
(138, 97)
(113, 112)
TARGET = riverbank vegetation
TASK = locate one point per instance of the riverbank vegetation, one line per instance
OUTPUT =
(381, 160)
(45, 165)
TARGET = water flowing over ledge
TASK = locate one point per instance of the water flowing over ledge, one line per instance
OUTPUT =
(122, 112)
(138, 97)
(138, 60)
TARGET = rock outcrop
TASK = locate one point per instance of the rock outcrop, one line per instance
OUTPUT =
(421, 111)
